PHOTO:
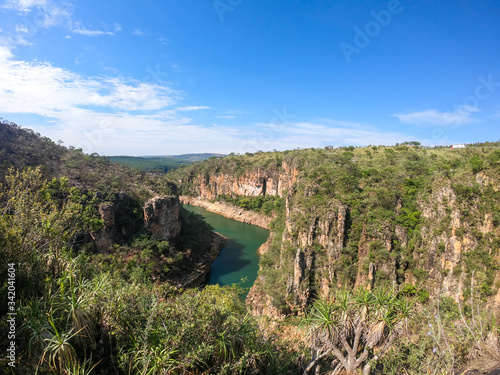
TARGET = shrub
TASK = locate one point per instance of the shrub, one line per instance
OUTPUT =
(476, 163)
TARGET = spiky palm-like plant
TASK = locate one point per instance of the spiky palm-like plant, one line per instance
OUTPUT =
(58, 352)
(356, 328)
(78, 307)
(155, 361)
(35, 327)
(76, 368)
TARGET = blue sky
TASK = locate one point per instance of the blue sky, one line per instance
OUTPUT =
(169, 77)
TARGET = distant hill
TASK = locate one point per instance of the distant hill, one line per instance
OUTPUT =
(162, 163)
(149, 164)
(195, 157)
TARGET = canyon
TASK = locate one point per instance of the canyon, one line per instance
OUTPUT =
(444, 246)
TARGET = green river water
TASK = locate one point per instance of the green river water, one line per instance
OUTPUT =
(239, 258)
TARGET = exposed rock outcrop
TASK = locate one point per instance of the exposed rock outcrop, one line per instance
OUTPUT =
(104, 238)
(252, 183)
(124, 217)
(161, 217)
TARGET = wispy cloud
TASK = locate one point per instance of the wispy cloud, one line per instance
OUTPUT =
(319, 133)
(24, 5)
(496, 114)
(79, 29)
(164, 41)
(45, 14)
(192, 108)
(110, 115)
(41, 13)
(83, 31)
(236, 112)
(138, 32)
(461, 116)
(21, 29)
(226, 117)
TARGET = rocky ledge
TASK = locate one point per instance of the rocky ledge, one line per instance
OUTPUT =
(228, 210)
(202, 266)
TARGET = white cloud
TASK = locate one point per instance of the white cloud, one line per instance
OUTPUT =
(226, 117)
(21, 29)
(192, 108)
(461, 116)
(5, 53)
(292, 135)
(103, 114)
(78, 29)
(46, 90)
(138, 32)
(24, 5)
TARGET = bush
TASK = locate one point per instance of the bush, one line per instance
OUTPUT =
(476, 163)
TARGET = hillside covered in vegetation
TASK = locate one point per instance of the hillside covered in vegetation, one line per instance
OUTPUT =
(381, 260)
(422, 222)
(160, 163)
(98, 259)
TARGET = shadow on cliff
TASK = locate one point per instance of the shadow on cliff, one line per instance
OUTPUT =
(230, 260)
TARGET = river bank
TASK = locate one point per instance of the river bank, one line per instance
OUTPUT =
(200, 272)
(228, 210)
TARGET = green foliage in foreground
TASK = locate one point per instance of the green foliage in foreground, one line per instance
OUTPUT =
(355, 328)
(74, 318)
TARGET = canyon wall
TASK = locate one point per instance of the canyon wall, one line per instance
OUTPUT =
(199, 271)
(161, 217)
(451, 244)
(124, 216)
(259, 181)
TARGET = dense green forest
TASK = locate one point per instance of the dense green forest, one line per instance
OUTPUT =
(149, 164)
(160, 163)
(97, 293)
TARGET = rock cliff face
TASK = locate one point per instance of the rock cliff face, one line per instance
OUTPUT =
(449, 242)
(124, 216)
(321, 247)
(252, 183)
(161, 217)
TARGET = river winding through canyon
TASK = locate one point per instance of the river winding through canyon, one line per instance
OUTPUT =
(239, 258)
